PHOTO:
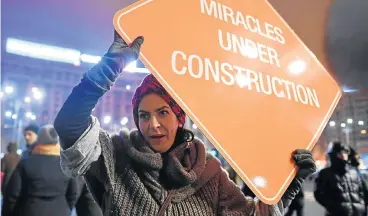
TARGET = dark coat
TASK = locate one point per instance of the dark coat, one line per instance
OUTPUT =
(39, 188)
(8, 163)
(341, 193)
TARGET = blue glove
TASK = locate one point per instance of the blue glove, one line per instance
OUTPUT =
(306, 166)
(118, 56)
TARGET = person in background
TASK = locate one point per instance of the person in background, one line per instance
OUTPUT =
(9, 162)
(37, 186)
(86, 205)
(339, 188)
(160, 168)
(30, 136)
(355, 162)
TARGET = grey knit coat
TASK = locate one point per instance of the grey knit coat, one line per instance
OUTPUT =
(138, 181)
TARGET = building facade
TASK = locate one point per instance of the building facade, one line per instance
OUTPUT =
(55, 81)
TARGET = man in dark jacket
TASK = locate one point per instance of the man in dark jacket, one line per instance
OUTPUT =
(30, 136)
(339, 188)
(9, 162)
(37, 186)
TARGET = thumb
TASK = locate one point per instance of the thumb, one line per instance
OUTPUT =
(136, 44)
(118, 38)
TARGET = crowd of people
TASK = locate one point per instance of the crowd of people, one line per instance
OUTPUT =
(34, 184)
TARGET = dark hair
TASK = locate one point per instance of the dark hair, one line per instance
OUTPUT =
(12, 147)
(183, 135)
(32, 127)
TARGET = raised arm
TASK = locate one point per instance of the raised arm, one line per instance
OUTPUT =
(79, 132)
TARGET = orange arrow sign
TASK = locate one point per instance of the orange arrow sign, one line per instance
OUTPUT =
(242, 75)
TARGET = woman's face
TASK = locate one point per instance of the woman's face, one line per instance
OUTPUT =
(157, 122)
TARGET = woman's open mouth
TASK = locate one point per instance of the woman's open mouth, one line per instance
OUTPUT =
(157, 138)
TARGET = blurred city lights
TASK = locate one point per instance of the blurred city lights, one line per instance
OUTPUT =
(19, 151)
(14, 116)
(1, 94)
(343, 124)
(42, 51)
(332, 123)
(29, 114)
(346, 89)
(360, 122)
(350, 121)
(9, 89)
(27, 99)
(8, 114)
(124, 121)
(37, 94)
(107, 119)
(90, 58)
(127, 87)
(363, 131)
(132, 67)
(59, 54)
(194, 126)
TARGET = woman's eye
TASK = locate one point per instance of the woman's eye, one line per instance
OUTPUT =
(143, 116)
(164, 112)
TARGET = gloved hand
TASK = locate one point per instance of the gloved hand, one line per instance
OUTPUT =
(119, 55)
(305, 166)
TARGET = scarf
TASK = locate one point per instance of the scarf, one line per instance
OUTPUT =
(184, 169)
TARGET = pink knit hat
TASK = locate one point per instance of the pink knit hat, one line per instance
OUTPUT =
(151, 85)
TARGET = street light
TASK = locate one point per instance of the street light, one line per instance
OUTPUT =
(29, 115)
(350, 121)
(27, 99)
(332, 124)
(107, 119)
(37, 94)
(343, 125)
(20, 105)
(124, 121)
(9, 89)
(14, 116)
(8, 114)
(361, 123)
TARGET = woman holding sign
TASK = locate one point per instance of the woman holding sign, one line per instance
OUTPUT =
(159, 169)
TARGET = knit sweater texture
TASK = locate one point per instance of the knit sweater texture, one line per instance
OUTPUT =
(138, 181)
